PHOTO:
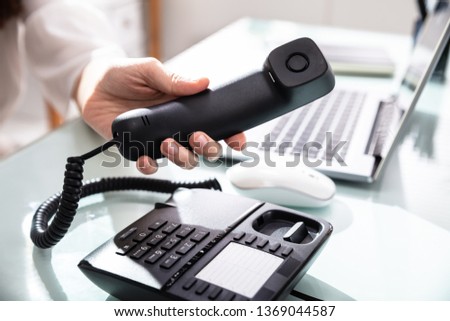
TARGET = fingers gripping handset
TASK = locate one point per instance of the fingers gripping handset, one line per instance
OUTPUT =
(293, 75)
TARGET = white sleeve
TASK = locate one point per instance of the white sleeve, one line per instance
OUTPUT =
(61, 37)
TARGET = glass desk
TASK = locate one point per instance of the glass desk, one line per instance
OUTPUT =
(391, 239)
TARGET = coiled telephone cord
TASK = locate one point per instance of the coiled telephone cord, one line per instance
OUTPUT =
(63, 206)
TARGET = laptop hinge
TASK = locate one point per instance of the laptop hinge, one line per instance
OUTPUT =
(384, 127)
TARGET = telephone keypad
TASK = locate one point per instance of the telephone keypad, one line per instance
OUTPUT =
(185, 247)
(286, 251)
(155, 256)
(189, 284)
(140, 252)
(202, 288)
(250, 239)
(238, 236)
(163, 240)
(167, 242)
(127, 233)
(156, 225)
(228, 296)
(199, 236)
(274, 247)
(170, 228)
(185, 231)
(262, 243)
(141, 236)
(215, 293)
(125, 248)
(170, 261)
(156, 239)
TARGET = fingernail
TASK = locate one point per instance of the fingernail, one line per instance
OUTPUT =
(172, 149)
(151, 163)
(202, 140)
(214, 152)
(192, 162)
(214, 158)
(147, 165)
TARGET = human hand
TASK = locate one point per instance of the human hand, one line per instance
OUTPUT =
(110, 87)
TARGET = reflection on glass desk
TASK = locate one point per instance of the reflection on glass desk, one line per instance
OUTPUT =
(391, 239)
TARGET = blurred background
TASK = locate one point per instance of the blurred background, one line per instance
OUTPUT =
(186, 22)
(164, 28)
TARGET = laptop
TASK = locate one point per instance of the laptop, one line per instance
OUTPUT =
(349, 133)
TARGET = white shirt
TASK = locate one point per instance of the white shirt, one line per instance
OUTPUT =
(55, 39)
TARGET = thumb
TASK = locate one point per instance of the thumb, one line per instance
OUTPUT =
(170, 83)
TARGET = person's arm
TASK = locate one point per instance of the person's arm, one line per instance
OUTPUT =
(71, 50)
(61, 38)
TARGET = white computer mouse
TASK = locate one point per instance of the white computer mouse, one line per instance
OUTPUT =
(298, 186)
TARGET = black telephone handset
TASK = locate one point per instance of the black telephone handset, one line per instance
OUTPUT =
(293, 75)
(174, 251)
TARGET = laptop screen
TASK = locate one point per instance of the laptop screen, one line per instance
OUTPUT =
(429, 46)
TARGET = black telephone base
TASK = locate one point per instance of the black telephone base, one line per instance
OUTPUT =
(199, 243)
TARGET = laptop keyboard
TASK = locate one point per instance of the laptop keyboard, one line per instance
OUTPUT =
(318, 128)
